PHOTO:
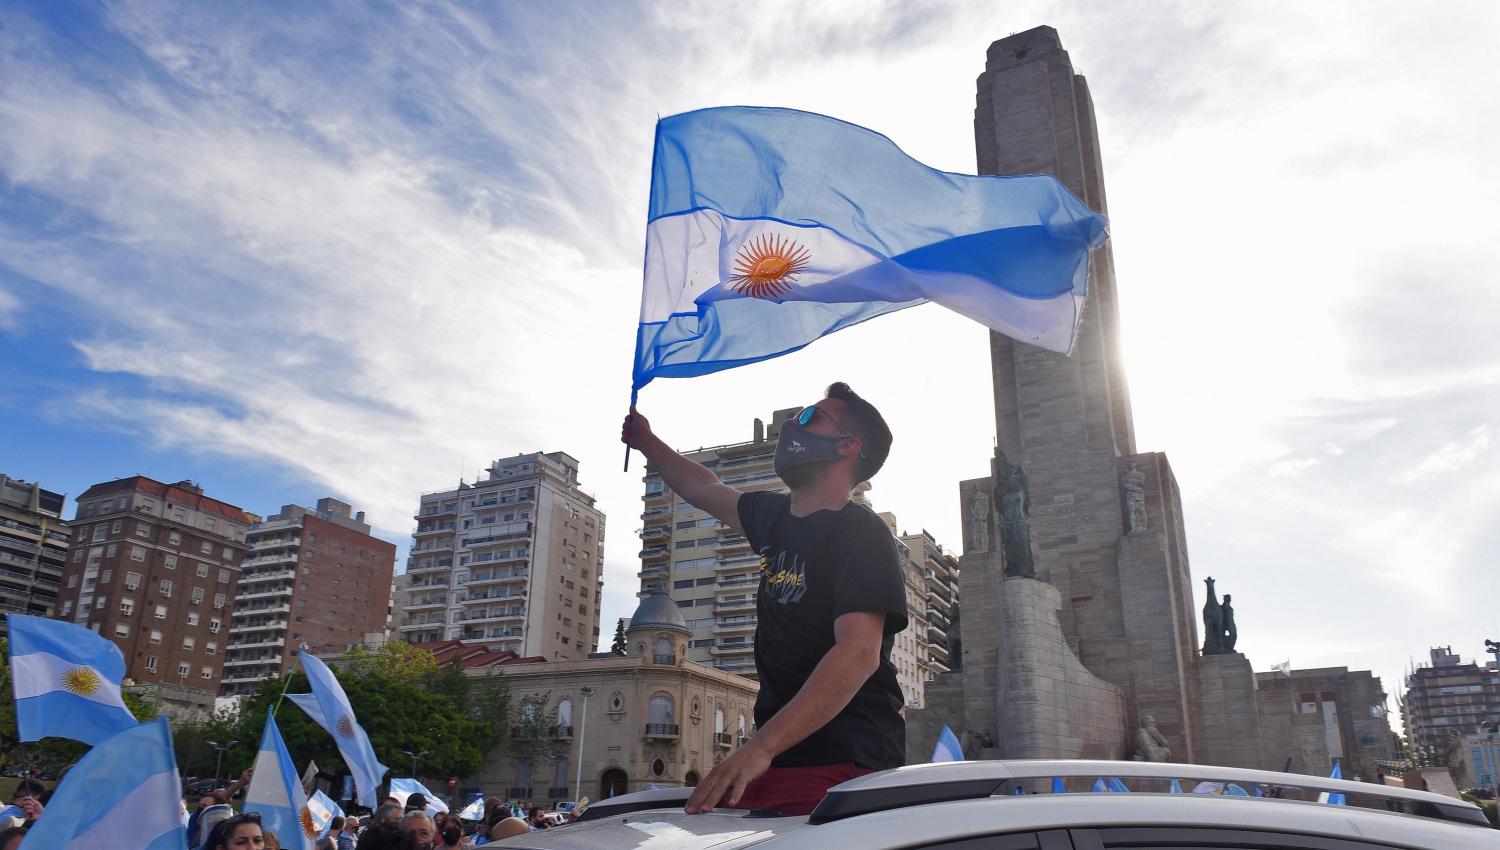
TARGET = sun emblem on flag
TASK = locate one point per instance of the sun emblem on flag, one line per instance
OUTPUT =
(344, 726)
(768, 265)
(309, 828)
(82, 681)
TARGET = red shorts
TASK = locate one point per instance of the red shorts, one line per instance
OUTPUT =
(796, 790)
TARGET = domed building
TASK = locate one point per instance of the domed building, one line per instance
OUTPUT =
(647, 718)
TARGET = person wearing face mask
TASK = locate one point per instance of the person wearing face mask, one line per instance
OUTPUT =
(450, 832)
(830, 602)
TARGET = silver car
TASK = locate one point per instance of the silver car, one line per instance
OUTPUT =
(1000, 805)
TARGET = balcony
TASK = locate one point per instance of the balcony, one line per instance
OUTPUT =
(261, 560)
(440, 602)
(489, 618)
(736, 562)
(742, 666)
(734, 544)
(655, 534)
(723, 739)
(243, 678)
(664, 659)
(736, 582)
(521, 531)
(654, 572)
(413, 569)
(436, 511)
(736, 605)
(417, 627)
(654, 553)
(283, 608)
(735, 625)
(274, 543)
(268, 575)
(723, 649)
(267, 593)
(496, 579)
(665, 731)
(268, 625)
(260, 643)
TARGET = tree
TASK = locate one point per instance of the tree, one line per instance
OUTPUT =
(534, 734)
(619, 647)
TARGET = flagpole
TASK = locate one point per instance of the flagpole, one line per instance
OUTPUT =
(284, 688)
(634, 393)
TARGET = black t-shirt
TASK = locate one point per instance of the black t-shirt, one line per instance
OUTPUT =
(815, 569)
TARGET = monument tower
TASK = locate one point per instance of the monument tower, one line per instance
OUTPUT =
(1078, 625)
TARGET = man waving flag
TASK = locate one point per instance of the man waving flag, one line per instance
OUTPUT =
(67, 681)
(329, 707)
(769, 228)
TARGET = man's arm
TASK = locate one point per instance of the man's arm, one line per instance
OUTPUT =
(837, 678)
(692, 481)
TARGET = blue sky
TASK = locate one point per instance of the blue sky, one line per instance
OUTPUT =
(360, 249)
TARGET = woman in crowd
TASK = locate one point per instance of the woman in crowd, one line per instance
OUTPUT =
(241, 832)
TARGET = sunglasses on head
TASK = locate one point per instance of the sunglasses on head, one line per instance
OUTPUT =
(247, 817)
(809, 413)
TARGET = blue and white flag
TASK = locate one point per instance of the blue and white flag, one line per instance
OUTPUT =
(67, 681)
(1176, 786)
(768, 228)
(1334, 798)
(328, 706)
(1059, 786)
(947, 748)
(124, 792)
(323, 811)
(403, 788)
(276, 792)
(473, 811)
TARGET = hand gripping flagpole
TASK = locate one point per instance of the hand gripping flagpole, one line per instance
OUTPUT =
(634, 393)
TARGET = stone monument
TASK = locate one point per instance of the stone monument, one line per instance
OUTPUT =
(1079, 622)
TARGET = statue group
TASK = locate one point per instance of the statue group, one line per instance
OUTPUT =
(1219, 633)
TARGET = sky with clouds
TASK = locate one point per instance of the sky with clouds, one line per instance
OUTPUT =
(362, 249)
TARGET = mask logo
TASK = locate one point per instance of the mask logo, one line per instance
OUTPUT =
(796, 447)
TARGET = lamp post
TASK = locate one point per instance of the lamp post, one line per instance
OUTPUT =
(583, 727)
(219, 763)
(414, 758)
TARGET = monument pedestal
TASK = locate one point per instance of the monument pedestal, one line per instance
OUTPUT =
(1228, 712)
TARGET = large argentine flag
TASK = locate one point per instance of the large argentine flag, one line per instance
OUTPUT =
(329, 707)
(67, 681)
(403, 788)
(276, 792)
(769, 228)
(124, 793)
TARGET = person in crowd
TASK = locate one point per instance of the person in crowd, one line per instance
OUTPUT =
(30, 799)
(348, 835)
(499, 822)
(537, 819)
(194, 837)
(416, 803)
(240, 832)
(388, 813)
(418, 824)
(450, 832)
(385, 836)
(10, 837)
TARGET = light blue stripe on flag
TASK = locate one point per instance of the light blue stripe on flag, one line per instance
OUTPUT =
(1335, 798)
(403, 788)
(125, 792)
(1059, 786)
(276, 792)
(329, 707)
(769, 228)
(66, 681)
(948, 748)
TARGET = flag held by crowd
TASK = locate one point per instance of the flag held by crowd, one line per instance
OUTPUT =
(276, 793)
(125, 792)
(67, 681)
(329, 707)
(769, 228)
(403, 788)
(948, 748)
(323, 811)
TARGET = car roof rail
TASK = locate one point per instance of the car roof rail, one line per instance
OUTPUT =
(942, 782)
(636, 801)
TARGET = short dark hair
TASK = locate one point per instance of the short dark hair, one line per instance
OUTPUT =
(29, 787)
(336, 824)
(386, 837)
(868, 425)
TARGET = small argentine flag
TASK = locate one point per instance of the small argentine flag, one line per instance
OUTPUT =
(473, 811)
(1334, 798)
(947, 748)
(276, 793)
(403, 788)
(67, 681)
(124, 793)
(768, 228)
(329, 707)
(323, 811)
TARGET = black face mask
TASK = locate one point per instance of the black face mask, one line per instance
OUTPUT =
(798, 446)
(452, 835)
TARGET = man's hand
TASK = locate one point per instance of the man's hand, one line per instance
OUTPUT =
(636, 432)
(727, 781)
(31, 806)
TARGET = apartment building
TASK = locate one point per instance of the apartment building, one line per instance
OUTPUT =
(1447, 699)
(312, 575)
(154, 567)
(920, 651)
(705, 566)
(33, 547)
(515, 561)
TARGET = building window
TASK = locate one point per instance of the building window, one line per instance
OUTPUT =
(197, 595)
(183, 668)
(192, 618)
(189, 642)
(122, 630)
(151, 664)
(78, 556)
(127, 607)
(161, 612)
(175, 538)
(224, 576)
(206, 547)
(132, 581)
(206, 673)
(114, 527)
(218, 600)
(109, 551)
(137, 553)
(213, 626)
(73, 580)
(67, 607)
(211, 648)
(142, 530)
(105, 576)
(156, 636)
(169, 561)
(202, 570)
(166, 588)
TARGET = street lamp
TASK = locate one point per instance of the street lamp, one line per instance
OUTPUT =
(414, 758)
(219, 763)
(583, 727)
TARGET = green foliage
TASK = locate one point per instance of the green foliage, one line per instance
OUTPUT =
(534, 732)
(619, 647)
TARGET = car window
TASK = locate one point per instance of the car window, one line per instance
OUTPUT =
(1010, 841)
(1208, 838)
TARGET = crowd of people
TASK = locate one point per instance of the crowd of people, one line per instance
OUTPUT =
(215, 825)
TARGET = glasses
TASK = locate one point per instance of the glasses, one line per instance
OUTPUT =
(811, 412)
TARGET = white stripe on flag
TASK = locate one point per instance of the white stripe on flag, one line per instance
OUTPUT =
(39, 673)
(145, 814)
(270, 789)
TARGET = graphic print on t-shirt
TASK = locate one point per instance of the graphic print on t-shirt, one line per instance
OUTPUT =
(785, 585)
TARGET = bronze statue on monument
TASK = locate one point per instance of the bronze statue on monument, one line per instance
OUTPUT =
(1013, 492)
(1219, 631)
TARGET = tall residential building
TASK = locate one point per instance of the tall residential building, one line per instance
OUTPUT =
(154, 567)
(707, 567)
(313, 576)
(33, 547)
(515, 561)
(1446, 700)
(920, 651)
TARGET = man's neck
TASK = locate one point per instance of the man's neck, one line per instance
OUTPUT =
(824, 495)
